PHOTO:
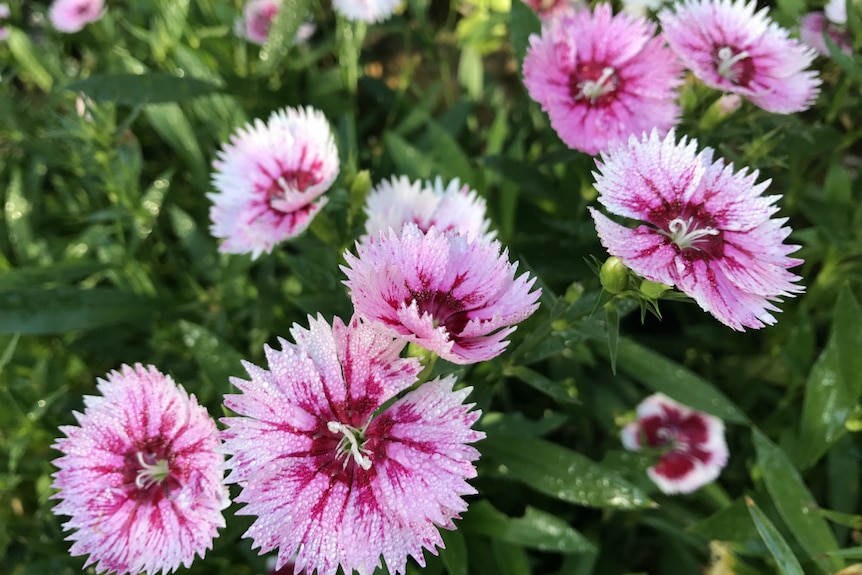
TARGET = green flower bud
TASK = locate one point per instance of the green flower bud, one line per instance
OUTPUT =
(653, 290)
(614, 275)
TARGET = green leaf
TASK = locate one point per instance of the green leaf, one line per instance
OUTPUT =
(848, 339)
(511, 559)
(732, 523)
(43, 311)
(471, 71)
(612, 321)
(562, 393)
(169, 121)
(454, 554)
(523, 22)
(496, 423)
(535, 530)
(218, 360)
(409, 161)
(795, 503)
(562, 473)
(668, 377)
(140, 89)
(825, 409)
(37, 275)
(291, 14)
(22, 49)
(778, 547)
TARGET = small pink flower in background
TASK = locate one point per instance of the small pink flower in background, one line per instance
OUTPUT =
(393, 203)
(140, 477)
(4, 14)
(813, 25)
(331, 483)
(708, 231)
(548, 9)
(366, 10)
(257, 17)
(455, 297)
(729, 47)
(696, 449)
(602, 78)
(72, 15)
(269, 180)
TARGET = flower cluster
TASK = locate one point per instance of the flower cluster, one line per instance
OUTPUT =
(695, 451)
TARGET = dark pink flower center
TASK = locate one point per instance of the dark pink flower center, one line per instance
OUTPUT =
(149, 471)
(684, 436)
(292, 180)
(692, 229)
(443, 307)
(594, 82)
(736, 66)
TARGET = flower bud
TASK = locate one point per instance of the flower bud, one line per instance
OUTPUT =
(614, 275)
(653, 290)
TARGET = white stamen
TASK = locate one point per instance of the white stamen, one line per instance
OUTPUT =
(726, 62)
(151, 473)
(594, 89)
(685, 236)
(359, 454)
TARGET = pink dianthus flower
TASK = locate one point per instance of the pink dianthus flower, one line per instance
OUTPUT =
(257, 17)
(269, 180)
(708, 231)
(140, 477)
(393, 203)
(814, 25)
(72, 15)
(366, 10)
(331, 483)
(455, 297)
(602, 78)
(731, 48)
(696, 449)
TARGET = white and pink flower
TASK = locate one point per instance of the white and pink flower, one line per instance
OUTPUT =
(369, 11)
(602, 77)
(72, 15)
(270, 178)
(140, 476)
(332, 483)
(454, 207)
(455, 297)
(731, 47)
(694, 444)
(707, 230)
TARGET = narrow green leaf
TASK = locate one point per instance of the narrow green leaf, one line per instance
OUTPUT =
(139, 89)
(612, 321)
(795, 503)
(471, 71)
(511, 559)
(17, 212)
(496, 423)
(733, 523)
(847, 553)
(668, 377)
(535, 530)
(848, 339)
(291, 14)
(825, 409)
(454, 554)
(22, 49)
(562, 393)
(37, 275)
(562, 473)
(410, 161)
(787, 562)
(523, 22)
(171, 124)
(450, 158)
(58, 310)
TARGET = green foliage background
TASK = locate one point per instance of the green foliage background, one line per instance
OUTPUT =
(105, 258)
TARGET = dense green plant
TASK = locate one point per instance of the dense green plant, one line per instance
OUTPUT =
(106, 141)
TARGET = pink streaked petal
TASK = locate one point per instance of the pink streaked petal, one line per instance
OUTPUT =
(642, 249)
(641, 175)
(682, 475)
(715, 294)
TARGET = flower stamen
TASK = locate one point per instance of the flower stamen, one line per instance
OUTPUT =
(726, 62)
(350, 443)
(595, 89)
(151, 473)
(686, 235)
